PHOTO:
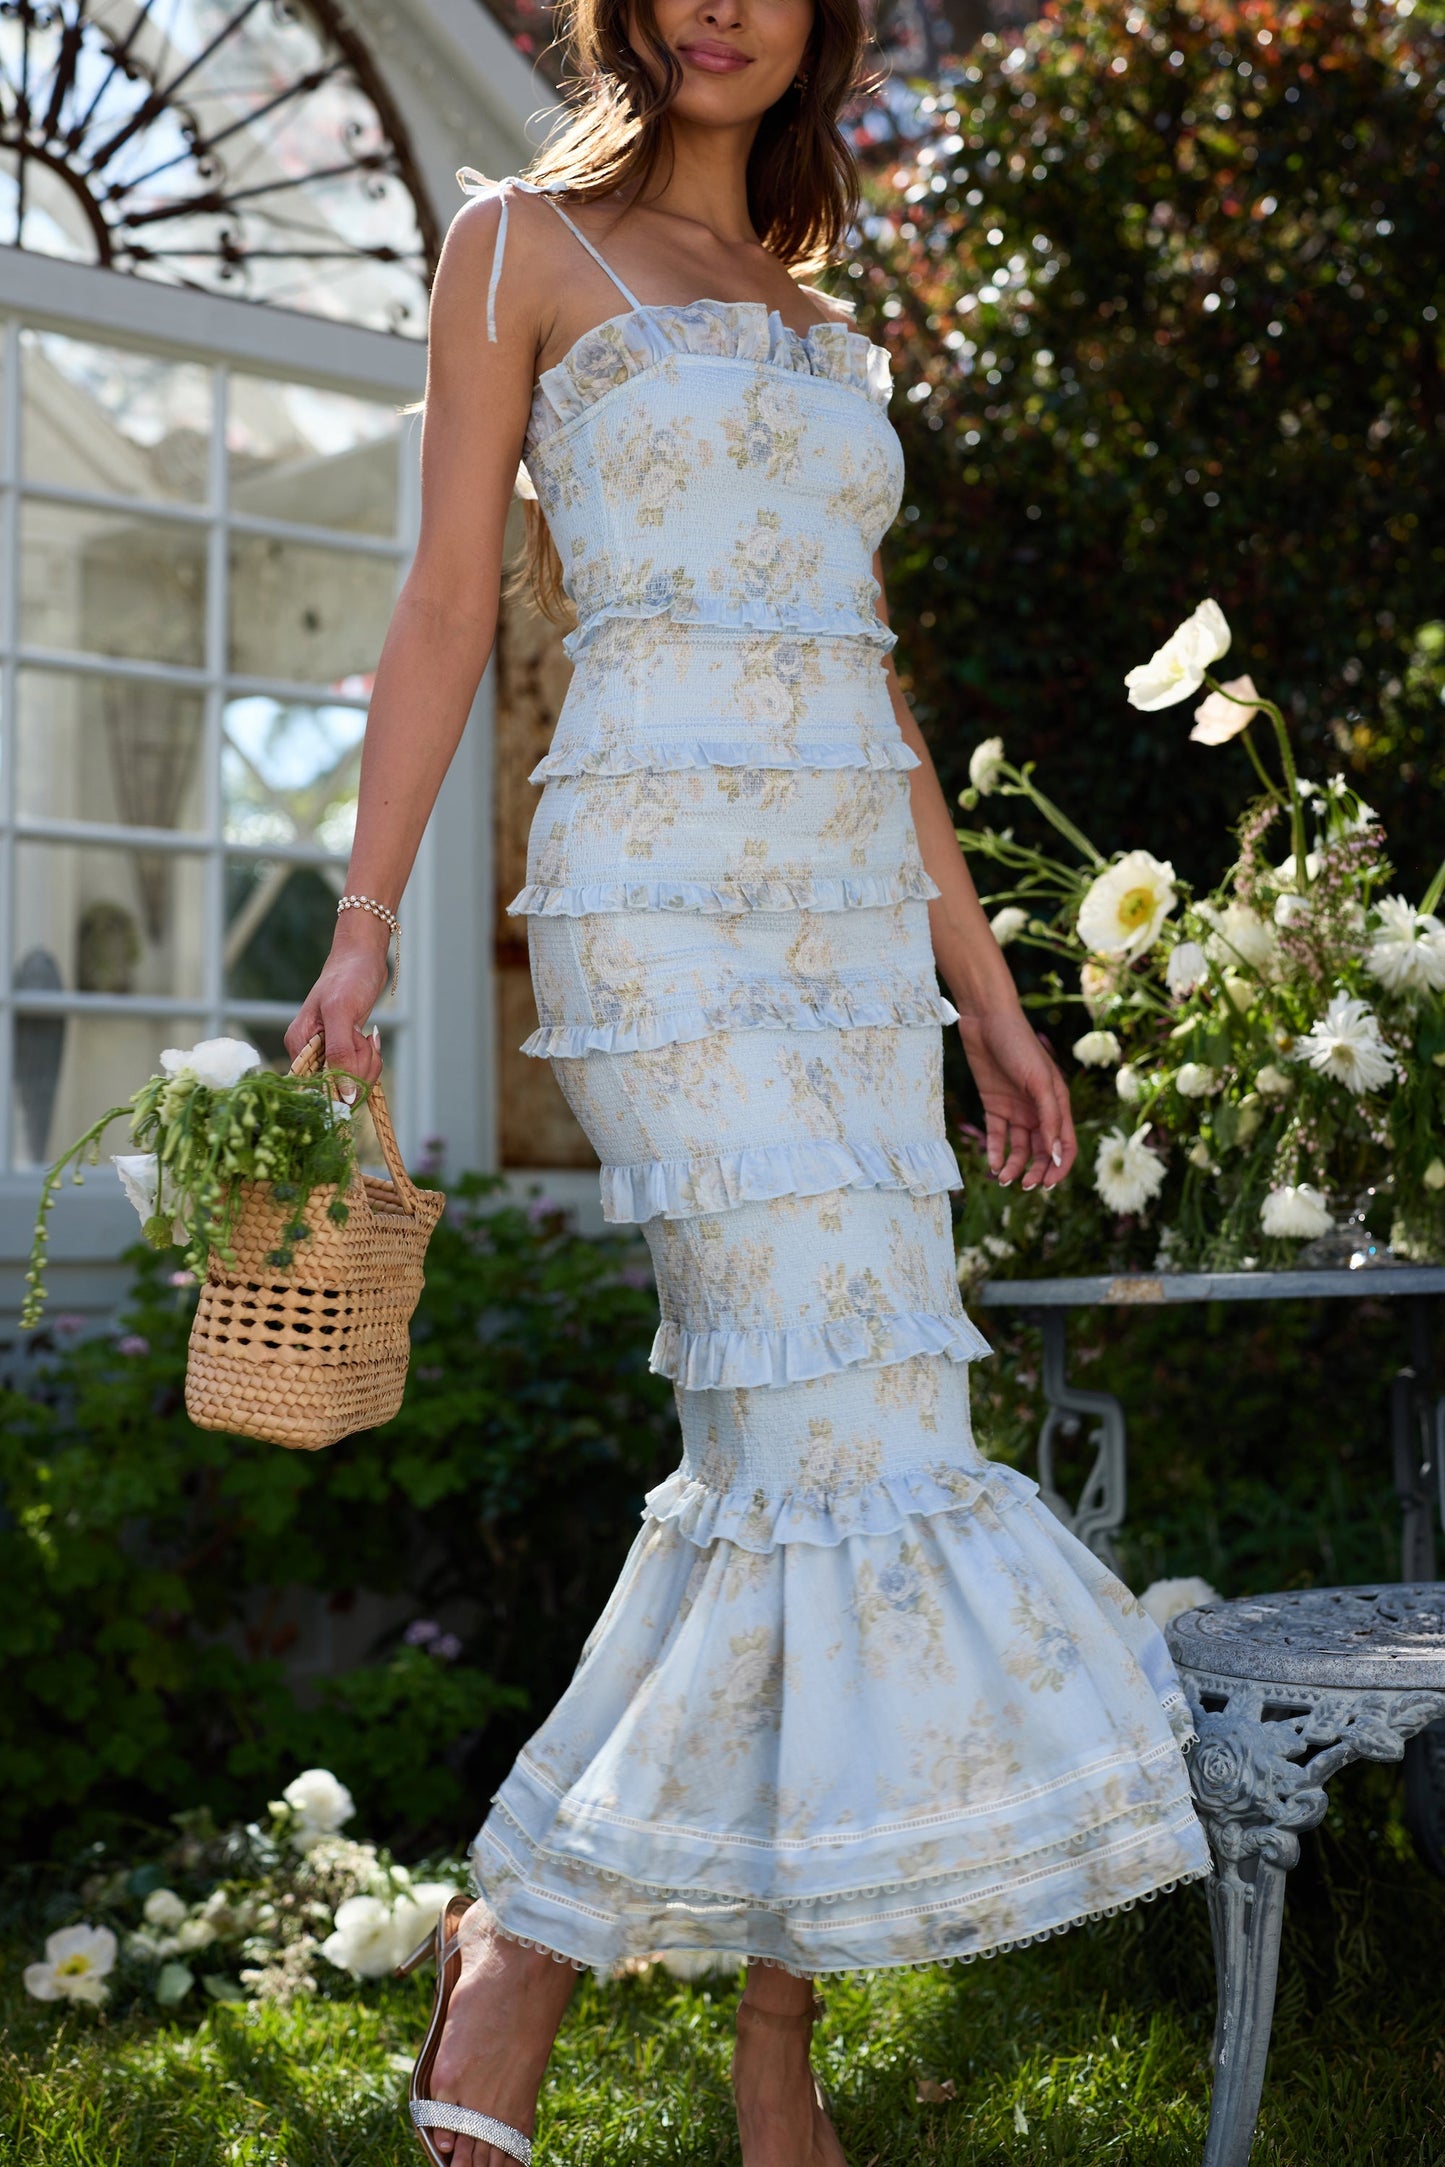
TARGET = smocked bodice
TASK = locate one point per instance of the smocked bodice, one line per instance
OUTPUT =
(709, 465)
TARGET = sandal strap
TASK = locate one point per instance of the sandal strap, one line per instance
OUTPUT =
(809, 2015)
(467, 2122)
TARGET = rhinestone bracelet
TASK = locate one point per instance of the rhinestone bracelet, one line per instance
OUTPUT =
(388, 918)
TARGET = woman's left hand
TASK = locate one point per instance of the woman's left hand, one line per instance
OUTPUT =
(1027, 1120)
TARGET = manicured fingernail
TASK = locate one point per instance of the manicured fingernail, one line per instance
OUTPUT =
(346, 1092)
(1056, 1154)
(1005, 1181)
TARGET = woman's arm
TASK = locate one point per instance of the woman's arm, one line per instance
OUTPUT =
(441, 632)
(1028, 1123)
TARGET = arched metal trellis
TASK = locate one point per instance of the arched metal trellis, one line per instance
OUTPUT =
(240, 146)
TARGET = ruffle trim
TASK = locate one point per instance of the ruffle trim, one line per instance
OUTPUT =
(635, 340)
(685, 1188)
(639, 757)
(715, 1361)
(754, 1008)
(733, 1960)
(870, 891)
(840, 623)
(752, 1520)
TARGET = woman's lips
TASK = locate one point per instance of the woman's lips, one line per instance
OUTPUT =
(715, 59)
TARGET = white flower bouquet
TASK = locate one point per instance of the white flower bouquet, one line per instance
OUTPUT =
(212, 1118)
(1264, 1066)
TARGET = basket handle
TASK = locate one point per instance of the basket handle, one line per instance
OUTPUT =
(309, 1062)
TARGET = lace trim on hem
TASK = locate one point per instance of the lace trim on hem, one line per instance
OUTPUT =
(710, 1361)
(712, 898)
(753, 1008)
(720, 1181)
(639, 757)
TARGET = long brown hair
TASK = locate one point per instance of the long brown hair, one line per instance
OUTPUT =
(802, 179)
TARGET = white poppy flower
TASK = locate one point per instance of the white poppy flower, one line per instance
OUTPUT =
(1177, 668)
(1128, 1085)
(77, 1960)
(1241, 936)
(1186, 968)
(1347, 1045)
(215, 1062)
(1126, 1172)
(319, 1800)
(1297, 1210)
(139, 1173)
(985, 765)
(1165, 1600)
(1196, 1080)
(364, 1940)
(1217, 720)
(1407, 950)
(1273, 1083)
(1096, 1049)
(1007, 924)
(163, 1908)
(1126, 905)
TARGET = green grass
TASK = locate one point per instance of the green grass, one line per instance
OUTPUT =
(1092, 2048)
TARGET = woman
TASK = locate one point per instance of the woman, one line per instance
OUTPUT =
(857, 1699)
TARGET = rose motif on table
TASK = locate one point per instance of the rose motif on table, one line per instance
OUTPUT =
(1238, 1768)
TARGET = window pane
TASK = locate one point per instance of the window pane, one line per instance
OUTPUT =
(127, 424)
(68, 1070)
(109, 749)
(317, 458)
(109, 921)
(279, 923)
(311, 615)
(289, 770)
(105, 583)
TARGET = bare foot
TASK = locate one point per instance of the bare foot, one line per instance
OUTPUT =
(782, 2121)
(501, 2021)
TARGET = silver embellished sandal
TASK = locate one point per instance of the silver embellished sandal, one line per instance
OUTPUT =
(428, 2113)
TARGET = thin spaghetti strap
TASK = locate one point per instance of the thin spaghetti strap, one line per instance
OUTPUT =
(597, 256)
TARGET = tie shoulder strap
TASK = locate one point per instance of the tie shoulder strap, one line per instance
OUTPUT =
(473, 183)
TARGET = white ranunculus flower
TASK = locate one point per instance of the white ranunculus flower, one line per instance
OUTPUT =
(1273, 1083)
(1128, 1085)
(163, 1908)
(319, 1800)
(1217, 720)
(1007, 924)
(985, 765)
(1186, 968)
(365, 1937)
(1126, 1172)
(1195, 1080)
(1297, 1210)
(1241, 936)
(1347, 1045)
(1096, 1049)
(1177, 668)
(215, 1062)
(1407, 950)
(77, 1960)
(1166, 1600)
(416, 1915)
(1126, 905)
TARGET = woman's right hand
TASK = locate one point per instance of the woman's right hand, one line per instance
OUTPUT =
(341, 1001)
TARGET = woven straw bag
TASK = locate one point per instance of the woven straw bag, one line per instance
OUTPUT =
(308, 1355)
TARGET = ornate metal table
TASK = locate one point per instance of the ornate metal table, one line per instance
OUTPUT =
(1285, 1691)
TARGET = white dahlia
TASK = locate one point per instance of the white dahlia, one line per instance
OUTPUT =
(1297, 1210)
(1407, 949)
(1347, 1045)
(1126, 1172)
(1124, 908)
(1177, 668)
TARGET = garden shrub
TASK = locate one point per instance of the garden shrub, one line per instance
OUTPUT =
(137, 1552)
(1163, 298)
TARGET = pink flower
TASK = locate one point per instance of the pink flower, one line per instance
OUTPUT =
(132, 1344)
(1217, 720)
(68, 1322)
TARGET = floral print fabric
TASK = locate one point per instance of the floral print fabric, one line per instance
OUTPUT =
(857, 1698)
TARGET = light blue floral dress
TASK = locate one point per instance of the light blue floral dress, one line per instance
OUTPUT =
(858, 1699)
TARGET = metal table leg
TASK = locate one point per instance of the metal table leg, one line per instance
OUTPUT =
(1098, 1515)
(1417, 1435)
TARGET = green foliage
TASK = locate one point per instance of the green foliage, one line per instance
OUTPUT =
(149, 1571)
(1169, 278)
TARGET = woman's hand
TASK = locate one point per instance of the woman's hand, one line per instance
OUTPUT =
(1027, 1119)
(341, 1001)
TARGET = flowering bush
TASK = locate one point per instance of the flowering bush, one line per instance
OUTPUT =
(211, 1118)
(1277, 1048)
(265, 1910)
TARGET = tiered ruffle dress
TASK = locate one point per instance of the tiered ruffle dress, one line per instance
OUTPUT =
(858, 1699)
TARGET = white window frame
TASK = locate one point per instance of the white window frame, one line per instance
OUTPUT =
(446, 1050)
